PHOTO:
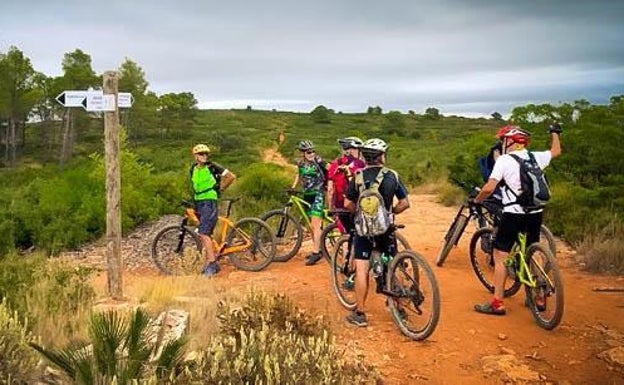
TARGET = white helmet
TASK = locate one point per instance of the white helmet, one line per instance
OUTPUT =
(350, 142)
(374, 146)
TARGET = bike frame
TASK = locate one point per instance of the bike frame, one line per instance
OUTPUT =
(522, 270)
(301, 206)
(221, 247)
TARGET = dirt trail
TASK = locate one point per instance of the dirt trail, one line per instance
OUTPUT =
(592, 321)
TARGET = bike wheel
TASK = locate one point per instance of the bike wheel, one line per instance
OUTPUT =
(482, 261)
(451, 238)
(258, 243)
(415, 304)
(343, 273)
(288, 234)
(402, 243)
(329, 237)
(547, 236)
(545, 300)
(177, 251)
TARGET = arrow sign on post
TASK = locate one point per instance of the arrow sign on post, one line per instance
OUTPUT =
(73, 98)
(99, 102)
(124, 100)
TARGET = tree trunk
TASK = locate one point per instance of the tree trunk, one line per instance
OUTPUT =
(6, 143)
(12, 141)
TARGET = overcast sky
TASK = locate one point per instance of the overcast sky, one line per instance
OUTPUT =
(462, 56)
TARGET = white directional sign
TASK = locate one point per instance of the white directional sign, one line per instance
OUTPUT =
(124, 100)
(101, 102)
(74, 98)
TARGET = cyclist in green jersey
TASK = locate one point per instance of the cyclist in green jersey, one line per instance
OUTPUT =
(207, 180)
(312, 173)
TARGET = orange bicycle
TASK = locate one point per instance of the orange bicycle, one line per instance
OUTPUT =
(249, 243)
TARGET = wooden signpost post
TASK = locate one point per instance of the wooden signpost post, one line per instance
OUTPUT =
(108, 101)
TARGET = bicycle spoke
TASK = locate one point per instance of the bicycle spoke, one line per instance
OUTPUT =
(176, 254)
(415, 302)
(250, 244)
(343, 274)
(545, 300)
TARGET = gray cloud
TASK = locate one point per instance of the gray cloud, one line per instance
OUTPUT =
(465, 57)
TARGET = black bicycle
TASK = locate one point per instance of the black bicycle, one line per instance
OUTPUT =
(413, 297)
(485, 215)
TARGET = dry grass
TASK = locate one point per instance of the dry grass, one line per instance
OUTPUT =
(603, 252)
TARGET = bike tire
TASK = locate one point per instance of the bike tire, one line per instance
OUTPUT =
(451, 238)
(343, 273)
(329, 237)
(289, 243)
(482, 259)
(402, 243)
(551, 314)
(174, 258)
(406, 274)
(546, 234)
(261, 239)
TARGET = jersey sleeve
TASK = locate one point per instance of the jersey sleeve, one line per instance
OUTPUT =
(401, 190)
(333, 169)
(218, 169)
(499, 167)
(542, 158)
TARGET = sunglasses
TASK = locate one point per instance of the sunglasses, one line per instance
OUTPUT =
(202, 153)
(310, 152)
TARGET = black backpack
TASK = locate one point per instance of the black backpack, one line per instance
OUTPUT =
(534, 190)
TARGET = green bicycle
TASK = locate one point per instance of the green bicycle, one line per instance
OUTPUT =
(289, 222)
(532, 266)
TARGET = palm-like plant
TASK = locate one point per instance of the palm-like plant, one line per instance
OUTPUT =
(119, 349)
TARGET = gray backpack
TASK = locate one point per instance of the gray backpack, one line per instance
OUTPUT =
(534, 190)
(371, 216)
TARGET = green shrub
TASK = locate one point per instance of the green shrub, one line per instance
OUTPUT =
(18, 362)
(267, 340)
(262, 188)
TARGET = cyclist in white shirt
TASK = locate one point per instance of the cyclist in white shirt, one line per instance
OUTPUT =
(515, 218)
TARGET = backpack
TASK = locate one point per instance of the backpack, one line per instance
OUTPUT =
(371, 216)
(534, 190)
(486, 163)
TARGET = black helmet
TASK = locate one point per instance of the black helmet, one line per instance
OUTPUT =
(350, 142)
(305, 145)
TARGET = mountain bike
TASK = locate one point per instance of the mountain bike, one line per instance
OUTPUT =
(249, 243)
(413, 297)
(288, 225)
(533, 266)
(486, 214)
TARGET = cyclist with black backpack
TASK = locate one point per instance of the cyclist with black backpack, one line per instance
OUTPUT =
(312, 174)
(525, 193)
(369, 197)
(207, 179)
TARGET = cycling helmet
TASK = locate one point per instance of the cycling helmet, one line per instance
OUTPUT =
(305, 145)
(500, 133)
(350, 142)
(517, 135)
(375, 144)
(201, 148)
